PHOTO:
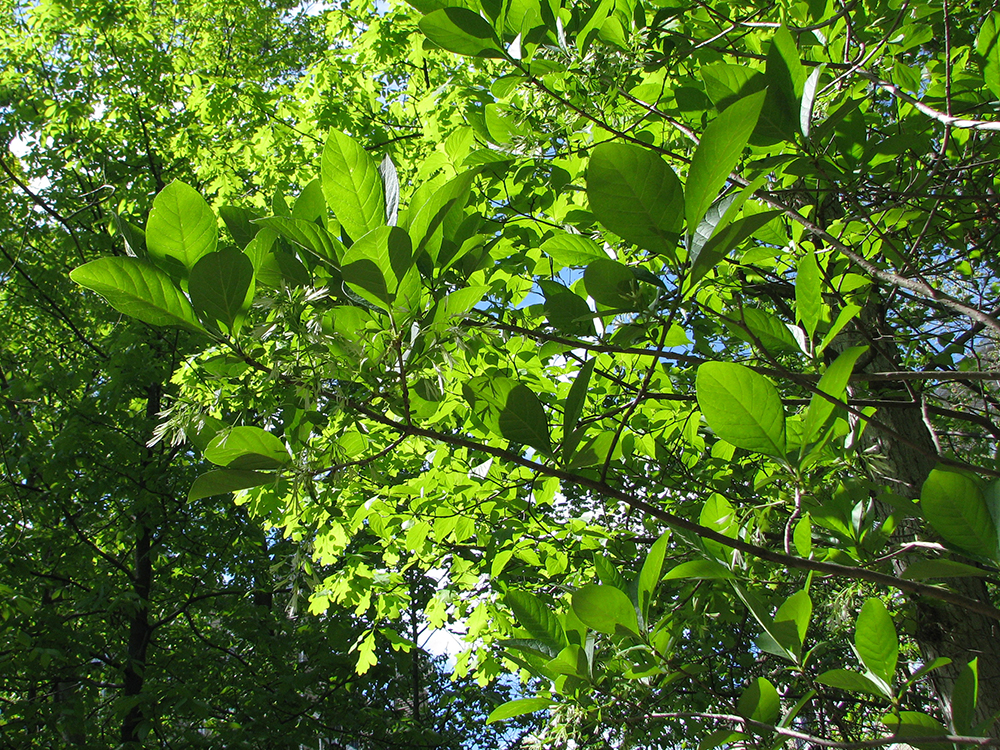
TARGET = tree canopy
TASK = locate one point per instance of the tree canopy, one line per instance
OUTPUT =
(659, 336)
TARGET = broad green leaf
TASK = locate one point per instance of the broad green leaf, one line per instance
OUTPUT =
(575, 401)
(910, 724)
(699, 570)
(220, 289)
(834, 383)
(921, 570)
(139, 290)
(742, 407)
(612, 284)
(568, 313)
(608, 573)
(768, 331)
(310, 205)
(605, 609)
(726, 83)
(965, 698)
(760, 702)
(537, 618)
(785, 77)
(352, 185)
(437, 220)
(651, 572)
(461, 31)
(771, 639)
(181, 229)
(852, 682)
(240, 222)
(956, 509)
(721, 242)
(523, 419)
(791, 621)
(635, 194)
(717, 155)
(458, 303)
(808, 292)
(988, 48)
(572, 249)
(518, 707)
(876, 640)
(572, 660)
(247, 448)
(377, 263)
(224, 481)
(307, 235)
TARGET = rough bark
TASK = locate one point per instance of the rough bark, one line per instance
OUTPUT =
(941, 630)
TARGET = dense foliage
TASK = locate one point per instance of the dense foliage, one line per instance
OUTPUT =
(661, 336)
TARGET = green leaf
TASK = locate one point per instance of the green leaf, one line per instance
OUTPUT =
(651, 572)
(537, 618)
(575, 401)
(721, 242)
(726, 83)
(717, 155)
(224, 481)
(523, 419)
(834, 383)
(437, 220)
(352, 185)
(910, 724)
(569, 313)
(921, 570)
(876, 640)
(988, 48)
(742, 407)
(461, 31)
(307, 235)
(767, 331)
(378, 263)
(572, 660)
(572, 249)
(247, 448)
(181, 229)
(809, 100)
(220, 288)
(791, 621)
(699, 569)
(309, 204)
(635, 194)
(239, 221)
(605, 609)
(612, 284)
(785, 77)
(965, 698)
(139, 290)
(518, 707)
(760, 702)
(808, 292)
(956, 509)
(852, 682)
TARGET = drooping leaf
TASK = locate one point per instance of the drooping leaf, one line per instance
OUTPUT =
(612, 284)
(537, 618)
(181, 229)
(922, 570)
(390, 185)
(699, 569)
(717, 155)
(742, 407)
(876, 640)
(760, 702)
(139, 290)
(956, 509)
(988, 48)
(851, 682)
(605, 609)
(461, 31)
(523, 419)
(519, 707)
(791, 621)
(220, 288)
(239, 222)
(651, 572)
(307, 235)
(808, 292)
(910, 724)
(707, 255)
(247, 448)
(377, 263)
(965, 698)
(310, 205)
(575, 401)
(224, 481)
(352, 185)
(635, 194)
(834, 383)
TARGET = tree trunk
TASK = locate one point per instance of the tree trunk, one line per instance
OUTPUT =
(942, 630)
